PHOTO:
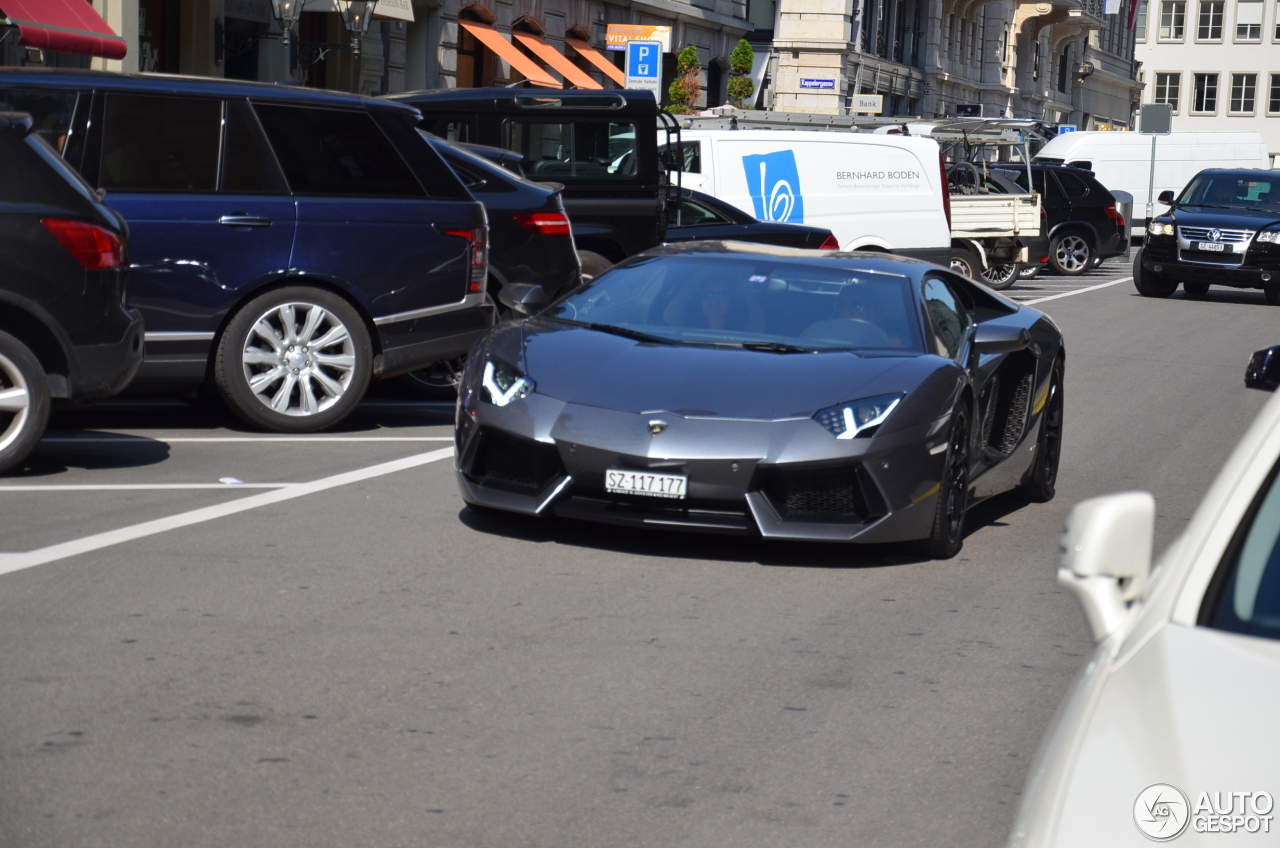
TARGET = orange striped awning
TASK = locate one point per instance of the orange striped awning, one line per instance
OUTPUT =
(493, 39)
(593, 56)
(555, 59)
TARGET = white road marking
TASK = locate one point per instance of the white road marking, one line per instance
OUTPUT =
(219, 439)
(19, 561)
(1079, 291)
(141, 487)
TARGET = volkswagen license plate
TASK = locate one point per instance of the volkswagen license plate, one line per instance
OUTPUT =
(1212, 246)
(623, 482)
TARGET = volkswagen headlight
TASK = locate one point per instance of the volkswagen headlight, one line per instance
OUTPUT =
(1160, 228)
(1268, 237)
(858, 417)
(501, 383)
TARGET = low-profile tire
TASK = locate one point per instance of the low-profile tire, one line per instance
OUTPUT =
(1272, 292)
(963, 262)
(295, 360)
(24, 401)
(1029, 271)
(1149, 283)
(1195, 291)
(947, 534)
(1001, 277)
(593, 265)
(1042, 479)
(1070, 254)
(1096, 263)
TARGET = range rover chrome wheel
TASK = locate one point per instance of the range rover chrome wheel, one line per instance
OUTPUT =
(295, 360)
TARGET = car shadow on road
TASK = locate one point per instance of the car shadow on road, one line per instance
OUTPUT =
(678, 544)
(89, 450)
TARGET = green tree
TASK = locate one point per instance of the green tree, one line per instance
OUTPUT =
(740, 61)
(684, 90)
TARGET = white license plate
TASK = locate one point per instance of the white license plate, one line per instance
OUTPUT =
(1213, 246)
(622, 482)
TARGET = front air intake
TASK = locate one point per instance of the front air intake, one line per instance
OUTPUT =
(513, 463)
(831, 494)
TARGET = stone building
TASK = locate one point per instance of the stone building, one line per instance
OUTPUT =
(1061, 61)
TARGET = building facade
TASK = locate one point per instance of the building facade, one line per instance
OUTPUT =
(412, 44)
(1061, 61)
(1216, 62)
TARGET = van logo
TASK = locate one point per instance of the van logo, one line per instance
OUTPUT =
(657, 428)
(1215, 234)
(774, 182)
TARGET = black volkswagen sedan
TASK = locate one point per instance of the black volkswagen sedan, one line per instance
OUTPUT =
(1223, 229)
(722, 386)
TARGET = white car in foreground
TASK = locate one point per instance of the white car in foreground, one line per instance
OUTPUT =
(1172, 732)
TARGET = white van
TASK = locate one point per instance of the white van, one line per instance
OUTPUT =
(1122, 160)
(873, 192)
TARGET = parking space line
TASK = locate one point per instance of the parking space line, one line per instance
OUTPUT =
(1079, 291)
(219, 439)
(140, 487)
(19, 561)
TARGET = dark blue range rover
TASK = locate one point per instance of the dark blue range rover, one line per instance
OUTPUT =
(288, 244)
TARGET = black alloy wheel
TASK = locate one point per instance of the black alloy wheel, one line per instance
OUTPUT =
(24, 401)
(1195, 291)
(1001, 277)
(947, 535)
(1042, 479)
(1149, 283)
(1070, 254)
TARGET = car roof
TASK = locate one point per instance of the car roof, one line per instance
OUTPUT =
(1241, 172)
(181, 84)
(853, 260)
(504, 99)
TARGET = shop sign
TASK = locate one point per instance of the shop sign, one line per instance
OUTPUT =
(617, 35)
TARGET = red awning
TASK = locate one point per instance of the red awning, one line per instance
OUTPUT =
(493, 39)
(593, 56)
(553, 57)
(71, 26)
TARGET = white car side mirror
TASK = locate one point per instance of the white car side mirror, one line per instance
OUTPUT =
(1104, 556)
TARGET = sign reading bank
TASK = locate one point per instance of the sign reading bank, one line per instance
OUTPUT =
(774, 181)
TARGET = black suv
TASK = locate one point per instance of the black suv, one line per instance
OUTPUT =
(64, 330)
(1081, 219)
(1223, 229)
(288, 245)
(602, 146)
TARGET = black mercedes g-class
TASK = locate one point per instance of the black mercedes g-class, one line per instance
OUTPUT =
(602, 146)
(1222, 230)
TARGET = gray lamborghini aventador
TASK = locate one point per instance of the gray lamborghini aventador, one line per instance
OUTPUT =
(730, 387)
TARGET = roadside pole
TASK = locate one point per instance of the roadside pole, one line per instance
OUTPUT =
(1154, 119)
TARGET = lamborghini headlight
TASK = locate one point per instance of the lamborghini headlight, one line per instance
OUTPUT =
(858, 417)
(501, 383)
(1268, 237)
(1160, 228)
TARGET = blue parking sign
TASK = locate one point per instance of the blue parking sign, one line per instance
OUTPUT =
(644, 65)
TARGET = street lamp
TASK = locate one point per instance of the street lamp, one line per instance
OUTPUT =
(287, 12)
(356, 15)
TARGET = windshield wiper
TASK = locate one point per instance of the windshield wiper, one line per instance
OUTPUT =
(776, 347)
(619, 331)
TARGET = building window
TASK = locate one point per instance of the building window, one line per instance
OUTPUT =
(1035, 62)
(1173, 16)
(1168, 87)
(1243, 93)
(1064, 72)
(1206, 94)
(1249, 20)
(1273, 102)
(1277, 35)
(1209, 27)
(1140, 21)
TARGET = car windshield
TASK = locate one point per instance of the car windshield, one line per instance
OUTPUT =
(1233, 191)
(1250, 600)
(760, 301)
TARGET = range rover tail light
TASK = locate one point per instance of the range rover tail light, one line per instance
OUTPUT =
(479, 238)
(830, 243)
(95, 248)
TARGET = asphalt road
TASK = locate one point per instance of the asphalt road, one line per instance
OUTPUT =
(362, 661)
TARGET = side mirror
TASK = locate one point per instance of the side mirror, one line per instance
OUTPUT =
(523, 298)
(1082, 164)
(1000, 338)
(1166, 197)
(1104, 556)
(1263, 370)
